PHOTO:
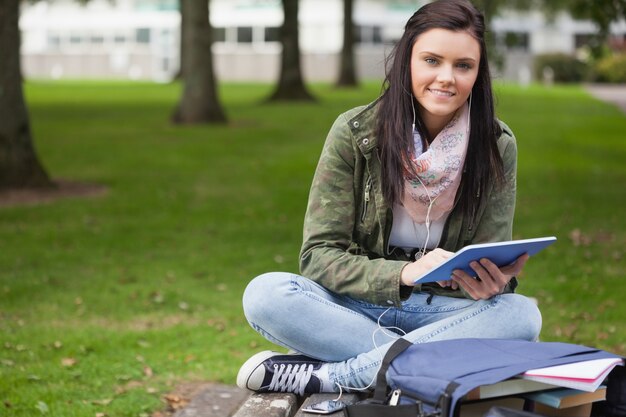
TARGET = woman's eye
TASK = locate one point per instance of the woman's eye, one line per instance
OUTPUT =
(464, 65)
(431, 61)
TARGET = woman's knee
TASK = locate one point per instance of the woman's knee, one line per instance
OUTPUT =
(526, 316)
(262, 295)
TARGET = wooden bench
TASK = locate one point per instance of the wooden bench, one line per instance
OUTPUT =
(285, 405)
(289, 405)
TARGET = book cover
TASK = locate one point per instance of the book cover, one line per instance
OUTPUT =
(500, 253)
(507, 387)
(566, 397)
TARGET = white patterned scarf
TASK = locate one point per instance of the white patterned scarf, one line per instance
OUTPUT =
(430, 195)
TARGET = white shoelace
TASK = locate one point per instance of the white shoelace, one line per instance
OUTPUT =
(291, 378)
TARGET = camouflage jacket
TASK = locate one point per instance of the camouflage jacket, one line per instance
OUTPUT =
(347, 223)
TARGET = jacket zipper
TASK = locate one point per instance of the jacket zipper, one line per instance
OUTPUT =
(366, 198)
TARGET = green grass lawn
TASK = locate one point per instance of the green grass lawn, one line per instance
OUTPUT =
(107, 303)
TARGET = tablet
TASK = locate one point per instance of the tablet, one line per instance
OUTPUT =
(500, 253)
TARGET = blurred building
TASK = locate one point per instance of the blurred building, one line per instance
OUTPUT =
(140, 39)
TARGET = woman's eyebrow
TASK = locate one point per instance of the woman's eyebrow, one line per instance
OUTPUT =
(467, 58)
(430, 53)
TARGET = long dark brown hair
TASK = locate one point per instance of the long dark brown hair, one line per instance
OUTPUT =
(483, 164)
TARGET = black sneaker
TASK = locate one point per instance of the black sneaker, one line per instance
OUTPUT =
(276, 372)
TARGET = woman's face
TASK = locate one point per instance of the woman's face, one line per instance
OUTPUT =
(444, 67)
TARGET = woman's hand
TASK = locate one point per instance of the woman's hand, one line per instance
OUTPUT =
(491, 279)
(424, 264)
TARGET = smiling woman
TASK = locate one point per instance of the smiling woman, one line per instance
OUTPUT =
(444, 67)
(401, 184)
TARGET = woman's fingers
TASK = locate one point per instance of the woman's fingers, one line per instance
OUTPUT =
(490, 279)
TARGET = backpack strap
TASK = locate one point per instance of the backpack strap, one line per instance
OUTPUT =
(446, 399)
(399, 346)
(380, 393)
(616, 392)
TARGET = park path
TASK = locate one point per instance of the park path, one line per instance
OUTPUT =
(612, 93)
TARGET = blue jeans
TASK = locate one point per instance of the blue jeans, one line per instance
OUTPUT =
(353, 335)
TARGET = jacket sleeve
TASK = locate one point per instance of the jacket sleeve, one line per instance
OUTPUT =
(329, 255)
(496, 222)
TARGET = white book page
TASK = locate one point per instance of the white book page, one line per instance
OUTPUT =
(586, 370)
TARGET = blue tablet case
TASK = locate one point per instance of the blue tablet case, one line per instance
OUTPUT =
(500, 253)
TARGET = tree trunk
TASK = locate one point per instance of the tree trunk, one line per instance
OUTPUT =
(347, 71)
(290, 84)
(181, 52)
(199, 102)
(19, 165)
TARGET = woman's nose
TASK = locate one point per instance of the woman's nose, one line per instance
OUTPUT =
(445, 74)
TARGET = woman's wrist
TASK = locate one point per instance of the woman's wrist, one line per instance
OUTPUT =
(414, 270)
(408, 274)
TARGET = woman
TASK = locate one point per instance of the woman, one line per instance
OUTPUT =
(401, 184)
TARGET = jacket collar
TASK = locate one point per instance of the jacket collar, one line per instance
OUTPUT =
(363, 128)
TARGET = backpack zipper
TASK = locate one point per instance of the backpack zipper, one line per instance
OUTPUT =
(395, 397)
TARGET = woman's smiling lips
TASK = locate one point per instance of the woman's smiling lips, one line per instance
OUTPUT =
(441, 93)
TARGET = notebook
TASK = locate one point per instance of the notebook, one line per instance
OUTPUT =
(585, 375)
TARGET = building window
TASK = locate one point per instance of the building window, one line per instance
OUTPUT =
(582, 40)
(54, 41)
(96, 39)
(371, 35)
(377, 37)
(142, 35)
(219, 34)
(76, 39)
(516, 41)
(272, 34)
(244, 34)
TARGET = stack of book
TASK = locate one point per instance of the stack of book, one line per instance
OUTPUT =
(585, 376)
(557, 391)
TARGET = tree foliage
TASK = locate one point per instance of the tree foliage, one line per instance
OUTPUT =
(601, 12)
